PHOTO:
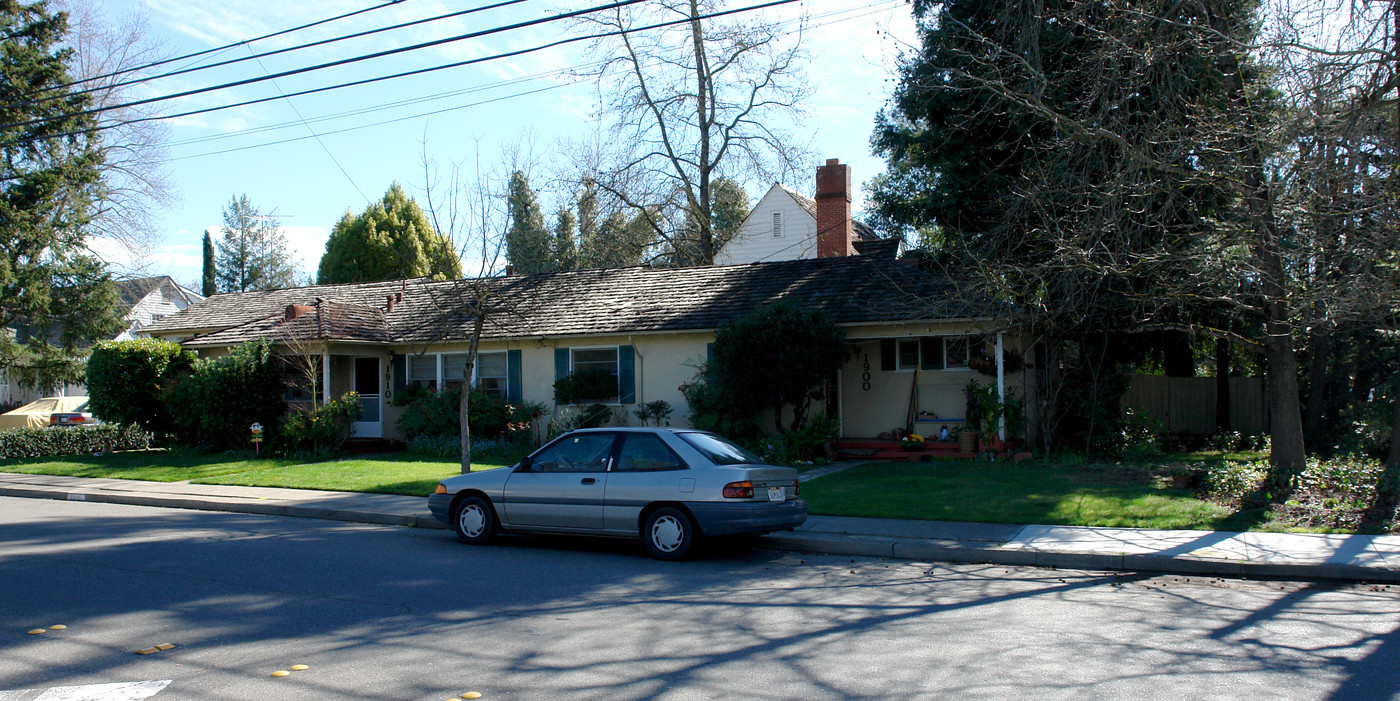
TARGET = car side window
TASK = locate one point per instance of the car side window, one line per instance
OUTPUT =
(588, 452)
(645, 452)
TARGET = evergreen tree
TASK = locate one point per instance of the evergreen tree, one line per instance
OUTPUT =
(527, 240)
(55, 295)
(392, 239)
(253, 254)
(209, 283)
(565, 249)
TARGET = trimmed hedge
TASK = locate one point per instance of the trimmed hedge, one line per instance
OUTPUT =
(127, 380)
(52, 441)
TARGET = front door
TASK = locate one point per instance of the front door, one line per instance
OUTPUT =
(368, 382)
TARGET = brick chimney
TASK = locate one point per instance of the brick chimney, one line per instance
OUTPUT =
(834, 228)
(296, 310)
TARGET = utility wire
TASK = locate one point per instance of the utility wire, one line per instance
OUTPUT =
(420, 71)
(347, 61)
(831, 17)
(217, 49)
(274, 52)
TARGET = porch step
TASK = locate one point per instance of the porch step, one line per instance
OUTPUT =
(877, 449)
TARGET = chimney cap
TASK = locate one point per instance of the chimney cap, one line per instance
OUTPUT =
(833, 161)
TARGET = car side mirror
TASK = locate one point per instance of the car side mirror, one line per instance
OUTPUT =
(524, 464)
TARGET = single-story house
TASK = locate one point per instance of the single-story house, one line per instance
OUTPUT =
(915, 340)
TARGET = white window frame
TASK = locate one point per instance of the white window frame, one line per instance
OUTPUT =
(505, 378)
(617, 368)
(899, 365)
(439, 368)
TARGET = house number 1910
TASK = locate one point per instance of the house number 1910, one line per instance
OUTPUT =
(865, 373)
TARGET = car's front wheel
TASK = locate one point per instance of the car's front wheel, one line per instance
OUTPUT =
(474, 521)
(668, 533)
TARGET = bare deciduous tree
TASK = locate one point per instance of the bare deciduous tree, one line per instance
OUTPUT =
(689, 102)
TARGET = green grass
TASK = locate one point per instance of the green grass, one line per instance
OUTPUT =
(397, 473)
(154, 465)
(1002, 492)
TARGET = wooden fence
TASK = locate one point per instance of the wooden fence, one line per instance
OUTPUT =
(1187, 404)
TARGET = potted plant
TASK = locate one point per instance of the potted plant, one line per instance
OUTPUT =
(912, 442)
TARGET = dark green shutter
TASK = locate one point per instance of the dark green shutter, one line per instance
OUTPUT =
(710, 362)
(887, 351)
(400, 374)
(561, 363)
(626, 375)
(513, 378)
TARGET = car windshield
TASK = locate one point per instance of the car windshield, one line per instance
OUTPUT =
(720, 451)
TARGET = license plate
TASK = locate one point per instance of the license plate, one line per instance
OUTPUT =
(776, 494)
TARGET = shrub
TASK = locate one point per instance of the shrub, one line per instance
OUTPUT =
(50, 441)
(319, 432)
(585, 386)
(216, 405)
(127, 381)
(658, 411)
(438, 414)
(711, 410)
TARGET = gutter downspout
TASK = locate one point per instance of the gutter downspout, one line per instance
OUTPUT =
(640, 371)
(325, 377)
(1001, 389)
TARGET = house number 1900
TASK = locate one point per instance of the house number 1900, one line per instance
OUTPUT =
(865, 373)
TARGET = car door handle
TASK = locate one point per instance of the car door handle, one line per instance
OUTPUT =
(589, 480)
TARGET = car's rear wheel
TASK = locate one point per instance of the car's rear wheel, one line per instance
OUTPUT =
(668, 533)
(474, 521)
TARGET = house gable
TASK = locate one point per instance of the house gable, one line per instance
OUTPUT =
(779, 227)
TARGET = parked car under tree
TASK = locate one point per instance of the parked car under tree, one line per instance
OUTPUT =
(668, 487)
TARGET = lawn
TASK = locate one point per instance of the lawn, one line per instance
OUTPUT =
(154, 465)
(1005, 492)
(397, 473)
(394, 473)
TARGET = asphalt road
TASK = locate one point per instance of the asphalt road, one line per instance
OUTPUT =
(394, 613)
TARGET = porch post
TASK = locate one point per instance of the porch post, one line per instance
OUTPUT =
(325, 377)
(1001, 389)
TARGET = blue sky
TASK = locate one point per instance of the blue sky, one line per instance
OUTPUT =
(311, 158)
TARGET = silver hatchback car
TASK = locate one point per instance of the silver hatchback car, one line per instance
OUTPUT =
(666, 486)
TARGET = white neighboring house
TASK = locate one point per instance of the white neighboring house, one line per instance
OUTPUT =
(787, 225)
(145, 300)
(149, 298)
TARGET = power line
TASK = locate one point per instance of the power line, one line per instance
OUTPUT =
(343, 62)
(832, 17)
(217, 49)
(265, 54)
(458, 64)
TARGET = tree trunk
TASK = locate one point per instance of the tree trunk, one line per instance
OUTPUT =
(1222, 385)
(704, 118)
(1287, 456)
(463, 422)
(1178, 360)
(1318, 381)
(1394, 459)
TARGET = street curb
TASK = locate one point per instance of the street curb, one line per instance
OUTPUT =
(239, 507)
(801, 541)
(913, 549)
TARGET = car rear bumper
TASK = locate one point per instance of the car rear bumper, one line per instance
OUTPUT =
(440, 504)
(748, 518)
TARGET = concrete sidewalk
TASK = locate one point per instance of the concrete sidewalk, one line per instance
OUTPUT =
(1218, 553)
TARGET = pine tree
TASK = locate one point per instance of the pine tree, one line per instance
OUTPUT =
(392, 239)
(253, 254)
(527, 240)
(565, 248)
(210, 285)
(54, 295)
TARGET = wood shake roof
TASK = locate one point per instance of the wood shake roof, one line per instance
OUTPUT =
(850, 290)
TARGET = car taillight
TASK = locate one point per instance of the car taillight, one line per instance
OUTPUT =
(78, 419)
(797, 488)
(738, 490)
(53, 420)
